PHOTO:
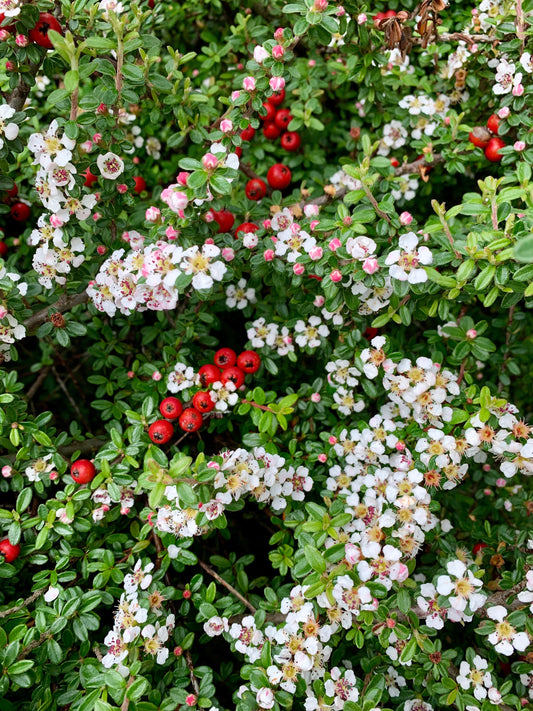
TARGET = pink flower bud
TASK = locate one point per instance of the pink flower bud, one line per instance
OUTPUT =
(500, 483)
(352, 553)
(228, 254)
(277, 83)
(125, 510)
(332, 439)
(209, 240)
(390, 623)
(156, 375)
(53, 475)
(7, 471)
(313, 224)
(311, 63)
(335, 244)
(260, 54)
(136, 160)
(4, 35)
(182, 178)
(406, 218)
(171, 233)
(267, 224)
(322, 457)
(400, 446)
(248, 83)
(278, 34)
(278, 51)
(178, 651)
(131, 374)
(122, 188)
(487, 492)
(504, 112)
(22, 40)
(96, 216)
(10, 66)
(268, 255)
(519, 145)
(319, 301)
(56, 221)
(191, 700)
(347, 221)
(361, 18)
(101, 110)
(3, 311)
(471, 333)
(320, 5)
(335, 275)
(235, 95)
(518, 90)
(399, 572)
(298, 268)
(226, 125)
(210, 161)
(153, 214)
(315, 253)
(101, 249)
(97, 138)
(370, 265)
(316, 397)
(340, 11)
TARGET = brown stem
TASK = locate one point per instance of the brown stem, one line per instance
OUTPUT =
(64, 303)
(37, 383)
(216, 576)
(126, 703)
(255, 404)
(520, 23)
(461, 373)
(34, 596)
(190, 667)
(74, 104)
(33, 645)
(18, 97)
(375, 205)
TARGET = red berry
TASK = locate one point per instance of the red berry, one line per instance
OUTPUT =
(493, 123)
(160, 431)
(291, 141)
(390, 13)
(9, 551)
(246, 227)
(39, 34)
(283, 118)
(255, 189)
(234, 375)
(378, 17)
(478, 547)
(190, 420)
(394, 162)
(248, 133)
(140, 184)
(208, 373)
(479, 136)
(238, 151)
(171, 408)
(89, 178)
(370, 333)
(3, 249)
(20, 212)
(187, 594)
(249, 361)
(279, 176)
(225, 220)
(225, 358)
(202, 401)
(270, 111)
(277, 97)
(271, 131)
(13, 192)
(492, 151)
(82, 471)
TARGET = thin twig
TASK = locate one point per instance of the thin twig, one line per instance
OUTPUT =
(69, 397)
(126, 702)
(64, 303)
(190, 667)
(33, 645)
(37, 383)
(34, 596)
(374, 202)
(229, 587)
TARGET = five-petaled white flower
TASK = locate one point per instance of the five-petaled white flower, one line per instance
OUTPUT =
(406, 263)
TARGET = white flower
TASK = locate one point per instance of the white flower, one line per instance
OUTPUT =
(404, 263)
(51, 594)
(505, 638)
(110, 165)
(477, 676)
(205, 272)
(462, 590)
(309, 333)
(526, 62)
(9, 130)
(239, 296)
(265, 698)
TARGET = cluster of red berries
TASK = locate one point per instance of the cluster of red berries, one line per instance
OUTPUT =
(487, 139)
(227, 367)
(276, 121)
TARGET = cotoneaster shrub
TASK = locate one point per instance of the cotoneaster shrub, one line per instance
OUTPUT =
(265, 340)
